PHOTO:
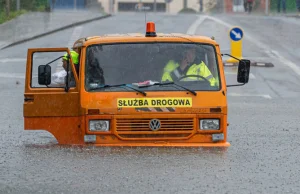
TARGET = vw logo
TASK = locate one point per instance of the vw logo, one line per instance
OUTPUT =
(154, 124)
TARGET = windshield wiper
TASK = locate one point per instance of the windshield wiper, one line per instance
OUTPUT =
(119, 85)
(169, 83)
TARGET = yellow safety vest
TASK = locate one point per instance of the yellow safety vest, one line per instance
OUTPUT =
(201, 69)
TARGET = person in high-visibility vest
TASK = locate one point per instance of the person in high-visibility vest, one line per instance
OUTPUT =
(74, 57)
(174, 71)
(58, 78)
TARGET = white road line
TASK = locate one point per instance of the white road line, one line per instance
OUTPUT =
(251, 76)
(230, 73)
(75, 36)
(267, 96)
(9, 60)
(267, 50)
(12, 75)
(193, 28)
(259, 44)
(290, 64)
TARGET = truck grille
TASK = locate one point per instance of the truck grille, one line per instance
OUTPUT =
(139, 128)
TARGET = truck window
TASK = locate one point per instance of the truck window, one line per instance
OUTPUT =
(58, 73)
(137, 62)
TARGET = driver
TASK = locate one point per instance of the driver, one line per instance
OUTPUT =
(173, 71)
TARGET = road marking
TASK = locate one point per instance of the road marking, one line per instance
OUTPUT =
(12, 75)
(193, 28)
(267, 50)
(287, 62)
(267, 96)
(251, 75)
(9, 60)
(75, 36)
(259, 44)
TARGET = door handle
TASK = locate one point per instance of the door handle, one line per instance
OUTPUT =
(28, 98)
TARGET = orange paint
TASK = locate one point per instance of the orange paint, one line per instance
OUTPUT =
(66, 115)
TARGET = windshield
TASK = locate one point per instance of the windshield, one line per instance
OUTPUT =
(191, 65)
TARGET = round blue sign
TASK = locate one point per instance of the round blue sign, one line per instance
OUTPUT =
(236, 34)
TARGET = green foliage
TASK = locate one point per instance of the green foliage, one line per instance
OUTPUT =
(34, 5)
(29, 5)
(290, 6)
(12, 15)
(25, 6)
(187, 10)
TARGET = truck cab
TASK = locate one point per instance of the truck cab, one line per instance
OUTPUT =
(128, 92)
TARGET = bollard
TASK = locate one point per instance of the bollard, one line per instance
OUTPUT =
(236, 35)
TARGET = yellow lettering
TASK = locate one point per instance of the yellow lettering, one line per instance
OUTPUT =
(154, 102)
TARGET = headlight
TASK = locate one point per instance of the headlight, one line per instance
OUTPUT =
(209, 124)
(99, 125)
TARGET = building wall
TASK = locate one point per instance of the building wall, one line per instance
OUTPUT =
(174, 7)
(67, 4)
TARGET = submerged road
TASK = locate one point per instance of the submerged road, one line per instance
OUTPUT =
(264, 129)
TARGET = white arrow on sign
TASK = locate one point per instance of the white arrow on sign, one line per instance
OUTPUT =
(237, 35)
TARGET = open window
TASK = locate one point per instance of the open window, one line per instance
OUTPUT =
(46, 92)
(49, 69)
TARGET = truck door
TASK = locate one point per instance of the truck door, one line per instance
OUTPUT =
(52, 107)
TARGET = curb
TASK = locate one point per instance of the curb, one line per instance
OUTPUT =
(255, 64)
(293, 16)
(55, 30)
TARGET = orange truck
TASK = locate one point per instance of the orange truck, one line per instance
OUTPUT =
(131, 90)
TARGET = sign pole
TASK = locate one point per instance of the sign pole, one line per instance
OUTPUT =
(168, 5)
(267, 7)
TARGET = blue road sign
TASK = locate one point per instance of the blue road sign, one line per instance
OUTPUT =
(236, 34)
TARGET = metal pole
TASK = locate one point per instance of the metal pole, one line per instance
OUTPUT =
(267, 7)
(154, 6)
(75, 4)
(184, 4)
(18, 5)
(110, 6)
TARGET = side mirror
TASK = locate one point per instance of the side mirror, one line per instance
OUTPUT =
(44, 75)
(243, 71)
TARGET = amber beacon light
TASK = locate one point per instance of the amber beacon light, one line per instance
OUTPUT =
(150, 31)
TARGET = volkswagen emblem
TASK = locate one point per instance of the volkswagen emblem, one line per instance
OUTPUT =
(154, 124)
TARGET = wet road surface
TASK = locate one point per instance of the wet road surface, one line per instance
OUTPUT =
(264, 129)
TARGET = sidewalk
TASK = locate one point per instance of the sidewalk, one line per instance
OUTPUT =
(35, 24)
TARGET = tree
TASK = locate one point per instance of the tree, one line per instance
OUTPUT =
(7, 7)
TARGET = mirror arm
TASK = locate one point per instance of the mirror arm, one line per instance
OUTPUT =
(55, 60)
(231, 56)
(236, 85)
